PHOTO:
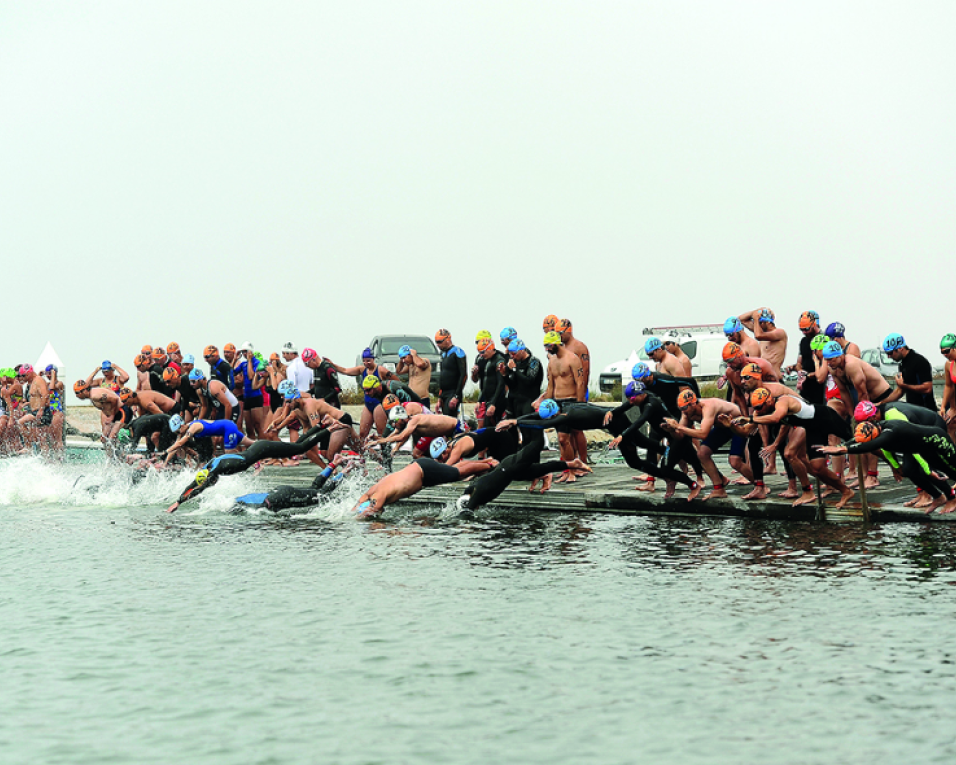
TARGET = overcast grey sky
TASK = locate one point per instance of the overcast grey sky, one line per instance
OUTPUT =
(324, 172)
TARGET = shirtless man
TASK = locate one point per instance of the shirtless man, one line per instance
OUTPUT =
(666, 362)
(217, 401)
(419, 371)
(677, 352)
(411, 479)
(712, 436)
(579, 349)
(736, 360)
(836, 332)
(735, 333)
(424, 426)
(174, 353)
(37, 415)
(566, 385)
(772, 339)
(857, 381)
(148, 401)
(112, 414)
(142, 364)
(316, 411)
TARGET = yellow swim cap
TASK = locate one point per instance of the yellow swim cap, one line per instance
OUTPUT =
(201, 475)
(370, 382)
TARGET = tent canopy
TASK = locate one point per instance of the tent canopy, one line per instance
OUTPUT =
(49, 356)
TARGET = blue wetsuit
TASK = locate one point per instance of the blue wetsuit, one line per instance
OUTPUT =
(231, 435)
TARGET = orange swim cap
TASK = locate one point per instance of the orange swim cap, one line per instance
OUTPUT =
(866, 431)
(229, 347)
(125, 394)
(273, 357)
(484, 344)
(170, 374)
(210, 350)
(760, 397)
(158, 353)
(140, 359)
(751, 372)
(172, 348)
(79, 386)
(146, 350)
(686, 398)
(808, 319)
(732, 351)
(442, 335)
(563, 325)
(390, 401)
(549, 323)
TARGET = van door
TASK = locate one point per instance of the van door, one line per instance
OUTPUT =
(690, 348)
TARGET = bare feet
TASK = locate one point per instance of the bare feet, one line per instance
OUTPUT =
(671, 487)
(847, 496)
(828, 491)
(648, 486)
(545, 483)
(759, 492)
(948, 507)
(694, 491)
(871, 482)
(931, 506)
(741, 482)
(789, 494)
(806, 498)
(579, 467)
(718, 492)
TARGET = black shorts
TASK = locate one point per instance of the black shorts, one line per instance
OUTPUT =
(254, 402)
(46, 418)
(435, 473)
(346, 419)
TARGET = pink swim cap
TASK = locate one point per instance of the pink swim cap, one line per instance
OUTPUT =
(308, 354)
(865, 410)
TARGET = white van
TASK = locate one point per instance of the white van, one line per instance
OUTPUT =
(704, 345)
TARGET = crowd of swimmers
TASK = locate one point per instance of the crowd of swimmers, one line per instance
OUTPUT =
(226, 415)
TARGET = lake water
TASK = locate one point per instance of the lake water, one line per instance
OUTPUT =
(131, 636)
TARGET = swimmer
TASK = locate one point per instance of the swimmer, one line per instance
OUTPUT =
(453, 373)
(113, 415)
(566, 385)
(418, 369)
(217, 402)
(148, 401)
(735, 332)
(523, 376)
(232, 437)
(773, 339)
(667, 363)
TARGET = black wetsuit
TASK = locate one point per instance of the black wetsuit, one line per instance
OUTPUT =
(493, 388)
(325, 383)
(156, 381)
(811, 391)
(898, 436)
(653, 413)
(402, 392)
(223, 372)
(667, 388)
(913, 466)
(146, 426)
(824, 423)
(499, 444)
(916, 369)
(283, 497)
(524, 385)
(451, 379)
(230, 464)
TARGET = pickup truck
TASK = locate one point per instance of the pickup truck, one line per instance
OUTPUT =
(385, 348)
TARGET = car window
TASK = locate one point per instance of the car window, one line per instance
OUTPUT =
(690, 348)
(390, 345)
(869, 356)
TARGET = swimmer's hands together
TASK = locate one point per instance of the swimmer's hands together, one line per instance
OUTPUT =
(670, 423)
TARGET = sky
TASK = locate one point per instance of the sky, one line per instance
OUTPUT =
(326, 172)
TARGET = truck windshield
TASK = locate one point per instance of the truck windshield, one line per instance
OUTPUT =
(390, 345)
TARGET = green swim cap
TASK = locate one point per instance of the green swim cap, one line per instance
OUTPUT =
(948, 341)
(819, 342)
(124, 436)
(7, 372)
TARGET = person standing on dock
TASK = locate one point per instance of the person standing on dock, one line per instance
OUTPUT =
(773, 339)
(915, 376)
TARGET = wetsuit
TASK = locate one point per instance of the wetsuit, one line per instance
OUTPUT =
(402, 392)
(812, 391)
(226, 429)
(223, 372)
(156, 381)
(524, 385)
(499, 444)
(493, 387)
(325, 383)
(230, 464)
(913, 466)
(916, 369)
(451, 379)
(667, 388)
(217, 408)
(931, 443)
(146, 426)
(282, 497)
(189, 398)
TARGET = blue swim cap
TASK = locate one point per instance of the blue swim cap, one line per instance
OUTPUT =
(893, 342)
(732, 325)
(508, 333)
(548, 409)
(835, 330)
(640, 370)
(51, 368)
(285, 386)
(634, 388)
(652, 344)
(832, 350)
(405, 350)
(437, 447)
(367, 354)
(766, 315)
(175, 423)
(516, 345)
(189, 359)
(292, 395)
(196, 375)
(106, 365)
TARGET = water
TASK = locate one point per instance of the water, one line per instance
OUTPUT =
(131, 636)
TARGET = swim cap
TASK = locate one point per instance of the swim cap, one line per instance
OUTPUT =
(808, 319)
(640, 370)
(175, 423)
(732, 351)
(819, 342)
(563, 325)
(290, 347)
(634, 388)
(308, 354)
(652, 344)
(508, 333)
(865, 410)
(732, 325)
(51, 368)
(866, 431)
(893, 342)
(390, 401)
(229, 347)
(285, 386)
(247, 346)
(146, 350)
(832, 350)
(948, 342)
(172, 348)
(292, 394)
(751, 372)
(516, 345)
(760, 397)
(201, 475)
(686, 398)
(398, 413)
(170, 374)
(25, 369)
(482, 333)
(197, 374)
(189, 359)
(549, 323)
(405, 350)
(442, 334)
(125, 394)
(484, 344)
(366, 354)
(273, 357)
(123, 436)
(140, 360)
(158, 353)
(548, 409)
(106, 365)
(210, 350)
(552, 338)
(835, 330)
(78, 387)
(437, 447)
(370, 382)
(766, 315)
